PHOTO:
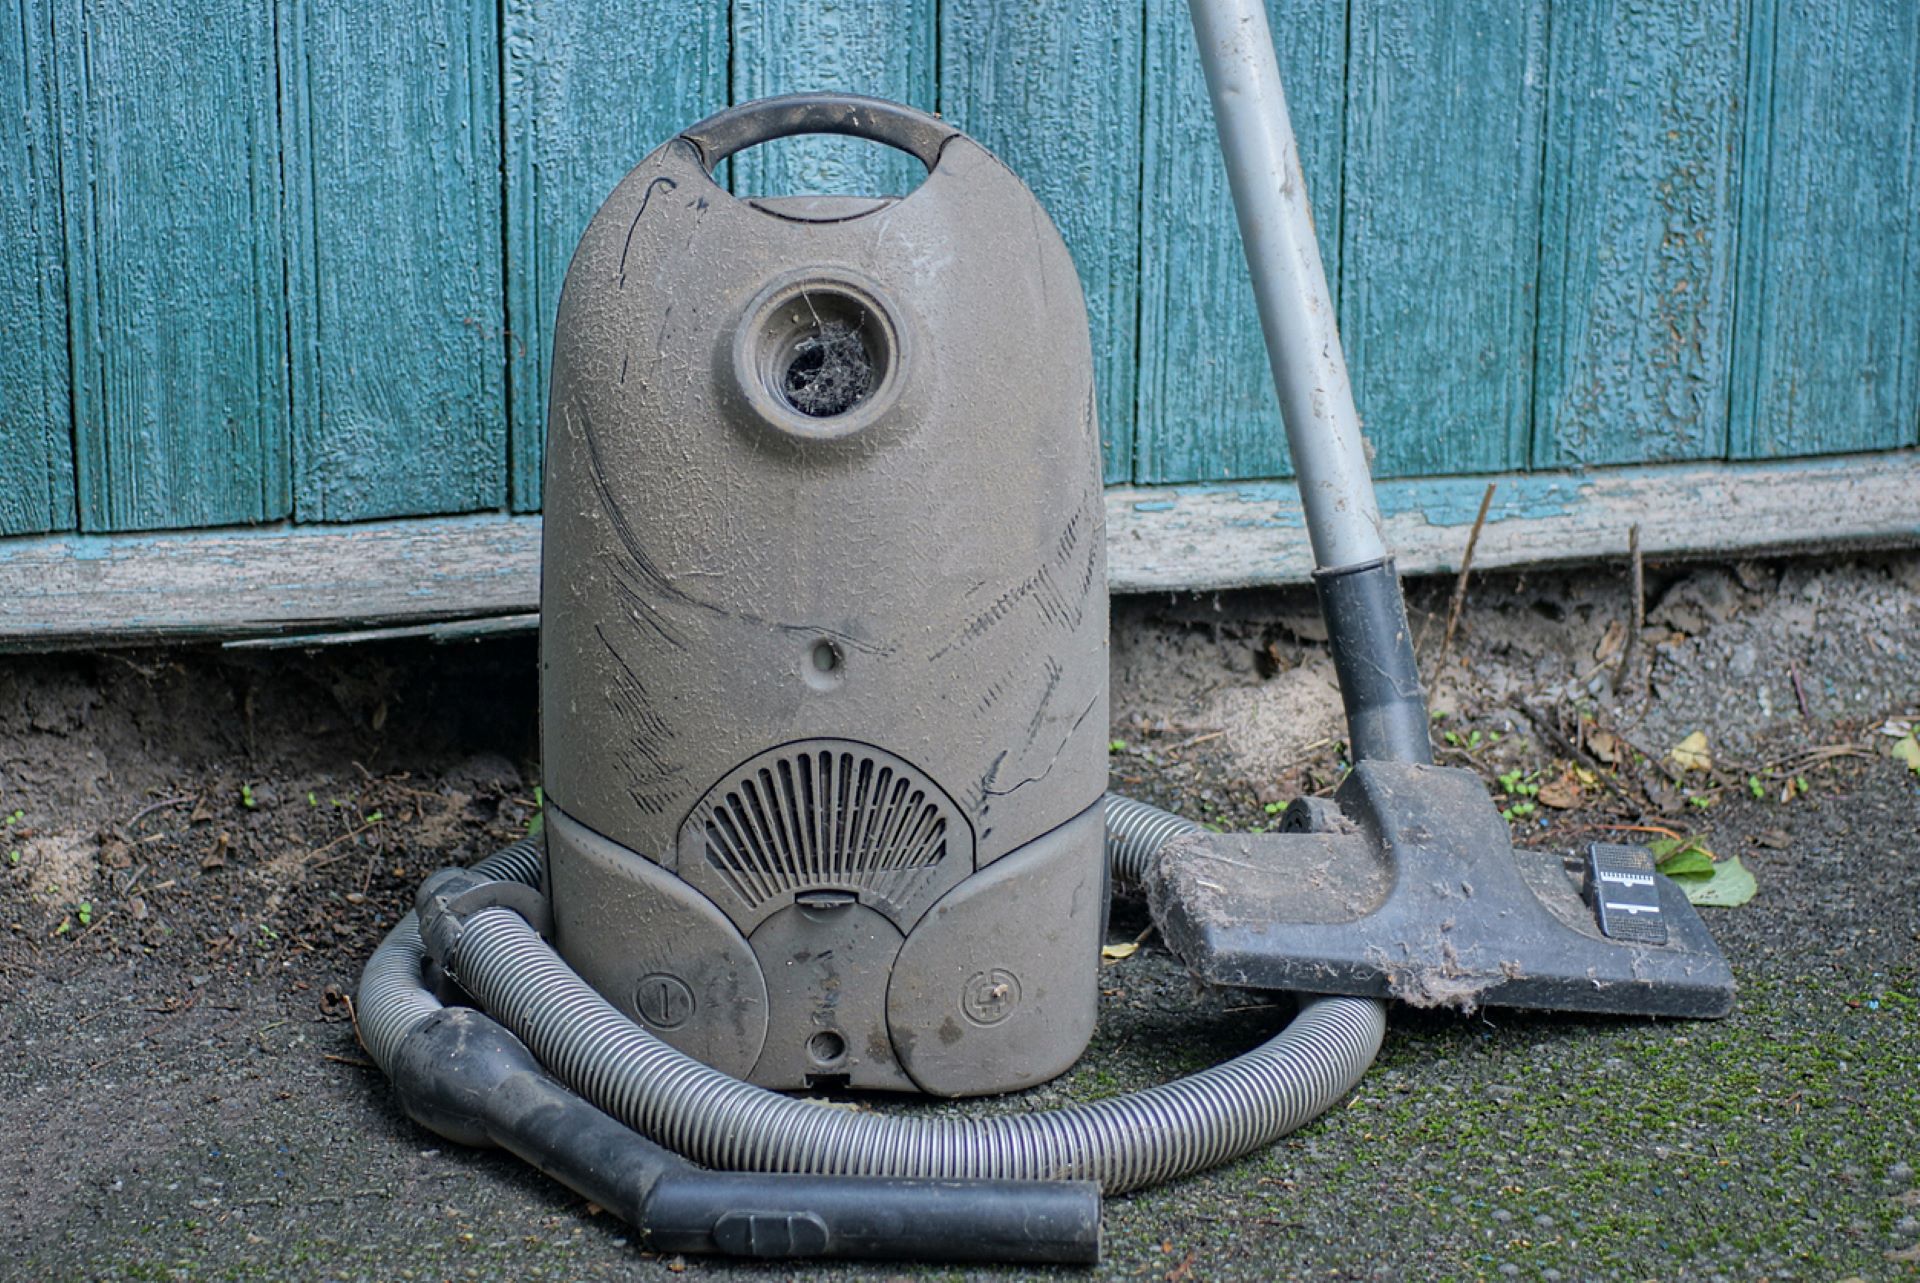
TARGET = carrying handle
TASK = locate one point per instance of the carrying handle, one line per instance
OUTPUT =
(875, 119)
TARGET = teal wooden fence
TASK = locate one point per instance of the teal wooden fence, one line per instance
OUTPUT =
(298, 261)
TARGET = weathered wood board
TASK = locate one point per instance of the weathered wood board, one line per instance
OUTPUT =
(36, 449)
(97, 589)
(171, 175)
(1440, 232)
(1234, 536)
(585, 100)
(1054, 91)
(93, 589)
(392, 144)
(1829, 289)
(885, 48)
(1205, 407)
(1639, 223)
(300, 260)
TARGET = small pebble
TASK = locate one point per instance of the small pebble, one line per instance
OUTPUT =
(1502, 1215)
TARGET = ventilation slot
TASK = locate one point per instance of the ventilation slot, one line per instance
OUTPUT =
(810, 817)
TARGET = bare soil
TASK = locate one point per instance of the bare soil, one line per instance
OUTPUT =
(210, 842)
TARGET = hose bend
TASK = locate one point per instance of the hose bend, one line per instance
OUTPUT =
(1124, 1143)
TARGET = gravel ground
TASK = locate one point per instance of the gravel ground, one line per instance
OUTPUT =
(186, 1099)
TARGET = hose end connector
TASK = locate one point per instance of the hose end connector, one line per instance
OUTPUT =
(448, 898)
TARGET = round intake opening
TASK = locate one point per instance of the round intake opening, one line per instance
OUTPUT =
(826, 1047)
(818, 357)
(828, 372)
(826, 350)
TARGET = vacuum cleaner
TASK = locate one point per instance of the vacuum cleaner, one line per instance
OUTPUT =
(824, 722)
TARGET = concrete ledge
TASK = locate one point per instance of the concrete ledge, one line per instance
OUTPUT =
(404, 577)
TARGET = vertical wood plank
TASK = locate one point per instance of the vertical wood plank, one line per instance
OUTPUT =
(36, 422)
(1440, 233)
(1639, 230)
(393, 158)
(1055, 91)
(1829, 286)
(172, 203)
(1206, 408)
(880, 47)
(586, 99)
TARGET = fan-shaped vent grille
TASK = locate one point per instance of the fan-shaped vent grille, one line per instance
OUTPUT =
(826, 815)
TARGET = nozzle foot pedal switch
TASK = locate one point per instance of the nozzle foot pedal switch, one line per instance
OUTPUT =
(1625, 895)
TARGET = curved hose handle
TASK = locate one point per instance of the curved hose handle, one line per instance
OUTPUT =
(875, 119)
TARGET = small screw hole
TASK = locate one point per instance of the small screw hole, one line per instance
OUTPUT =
(826, 1047)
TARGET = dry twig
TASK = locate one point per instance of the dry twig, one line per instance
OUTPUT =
(1459, 602)
(1637, 592)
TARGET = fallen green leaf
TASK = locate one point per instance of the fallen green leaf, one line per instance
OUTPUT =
(1688, 862)
(1667, 850)
(1908, 751)
(1730, 886)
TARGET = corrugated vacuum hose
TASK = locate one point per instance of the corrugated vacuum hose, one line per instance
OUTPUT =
(797, 1178)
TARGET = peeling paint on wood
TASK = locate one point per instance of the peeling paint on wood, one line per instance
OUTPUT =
(278, 260)
(392, 146)
(1636, 277)
(294, 580)
(1228, 536)
(172, 205)
(885, 48)
(586, 99)
(94, 589)
(1440, 235)
(1829, 291)
(1054, 91)
(1206, 404)
(36, 450)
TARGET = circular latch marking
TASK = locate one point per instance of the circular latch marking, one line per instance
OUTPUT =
(663, 1000)
(989, 997)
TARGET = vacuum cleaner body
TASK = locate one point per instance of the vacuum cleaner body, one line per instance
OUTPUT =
(824, 712)
(824, 614)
